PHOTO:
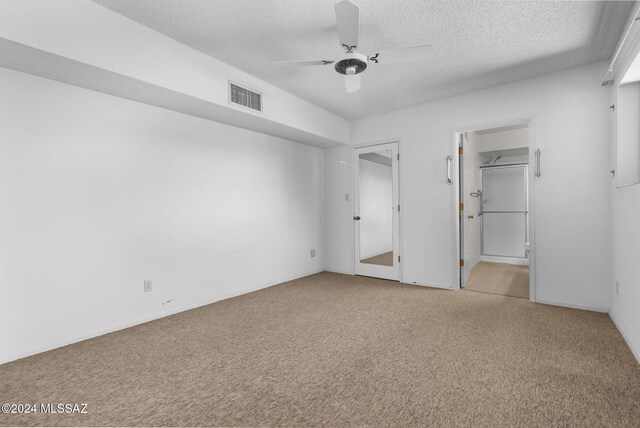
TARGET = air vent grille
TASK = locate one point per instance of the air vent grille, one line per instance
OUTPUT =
(245, 97)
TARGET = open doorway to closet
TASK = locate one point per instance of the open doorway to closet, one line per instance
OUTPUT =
(494, 210)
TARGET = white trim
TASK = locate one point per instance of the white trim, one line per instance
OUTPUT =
(634, 351)
(456, 208)
(573, 305)
(531, 200)
(376, 143)
(521, 261)
(144, 320)
(400, 212)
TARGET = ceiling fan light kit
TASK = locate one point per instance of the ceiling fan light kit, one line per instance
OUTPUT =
(352, 63)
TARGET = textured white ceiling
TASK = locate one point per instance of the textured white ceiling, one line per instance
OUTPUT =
(477, 44)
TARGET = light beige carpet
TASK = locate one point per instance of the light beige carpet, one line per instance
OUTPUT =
(385, 259)
(499, 278)
(342, 351)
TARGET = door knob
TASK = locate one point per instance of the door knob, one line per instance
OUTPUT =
(471, 216)
(357, 217)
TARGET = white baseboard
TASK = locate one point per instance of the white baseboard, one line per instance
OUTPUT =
(143, 320)
(634, 350)
(573, 305)
(509, 260)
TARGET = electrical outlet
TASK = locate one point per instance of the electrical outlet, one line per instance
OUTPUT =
(346, 197)
(617, 288)
(148, 286)
(313, 252)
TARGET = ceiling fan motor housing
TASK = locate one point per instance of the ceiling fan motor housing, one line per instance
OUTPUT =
(351, 64)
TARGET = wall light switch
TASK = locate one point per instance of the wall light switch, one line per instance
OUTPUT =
(147, 285)
(313, 252)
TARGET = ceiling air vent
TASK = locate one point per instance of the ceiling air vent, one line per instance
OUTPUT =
(245, 97)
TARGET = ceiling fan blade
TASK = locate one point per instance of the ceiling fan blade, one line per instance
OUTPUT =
(347, 16)
(352, 83)
(394, 56)
(305, 62)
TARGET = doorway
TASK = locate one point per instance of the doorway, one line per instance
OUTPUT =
(376, 211)
(494, 210)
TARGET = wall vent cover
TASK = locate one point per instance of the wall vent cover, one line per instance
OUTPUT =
(245, 97)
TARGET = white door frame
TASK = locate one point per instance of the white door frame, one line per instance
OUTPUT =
(394, 272)
(530, 121)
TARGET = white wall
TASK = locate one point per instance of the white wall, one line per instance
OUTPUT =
(376, 203)
(510, 139)
(99, 193)
(625, 298)
(338, 212)
(625, 283)
(102, 40)
(573, 234)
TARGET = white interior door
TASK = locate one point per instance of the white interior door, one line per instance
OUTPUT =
(376, 211)
(469, 191)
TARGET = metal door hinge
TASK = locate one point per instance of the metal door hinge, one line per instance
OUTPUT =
(398, 156)
(461, 262)
(398, 259)
(460, 150)
(398, 207)
(461, 206)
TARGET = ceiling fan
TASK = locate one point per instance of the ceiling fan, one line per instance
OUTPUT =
(352, 63)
